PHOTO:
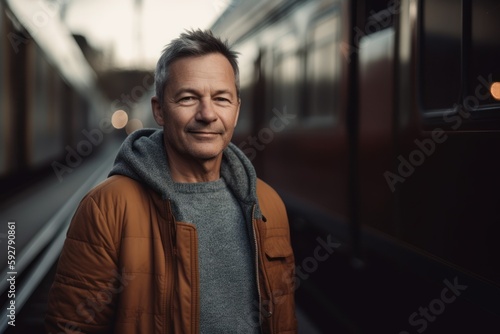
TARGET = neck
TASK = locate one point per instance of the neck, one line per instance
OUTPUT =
(192, 170)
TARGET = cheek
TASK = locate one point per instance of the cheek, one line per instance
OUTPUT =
(174, 132)
(172, 137)
(174, 123)
(230, 122)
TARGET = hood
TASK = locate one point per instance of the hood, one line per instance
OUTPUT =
(142, 157)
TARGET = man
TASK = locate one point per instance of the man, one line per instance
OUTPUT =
(182, 237)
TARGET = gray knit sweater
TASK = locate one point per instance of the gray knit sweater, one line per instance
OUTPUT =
(221, 211)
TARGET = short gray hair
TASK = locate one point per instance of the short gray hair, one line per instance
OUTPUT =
(190, 44)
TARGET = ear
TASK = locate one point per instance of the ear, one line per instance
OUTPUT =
(157, 111)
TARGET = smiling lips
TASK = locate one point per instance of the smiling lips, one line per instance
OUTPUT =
(204, 134)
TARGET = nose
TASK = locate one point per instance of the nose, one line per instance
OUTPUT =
(206, 112)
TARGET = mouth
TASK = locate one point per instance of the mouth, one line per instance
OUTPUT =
(204, 134)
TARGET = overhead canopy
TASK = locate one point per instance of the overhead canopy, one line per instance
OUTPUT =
(42, 21)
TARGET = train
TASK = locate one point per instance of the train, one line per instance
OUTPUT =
(53, 121)
(49, 94)
(378, 123)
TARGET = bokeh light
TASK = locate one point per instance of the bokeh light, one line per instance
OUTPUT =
(133, 124)
(495, 90)
(119, 119)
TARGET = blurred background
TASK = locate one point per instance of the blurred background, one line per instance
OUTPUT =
(377, 121)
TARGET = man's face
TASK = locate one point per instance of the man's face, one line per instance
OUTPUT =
(200, 109)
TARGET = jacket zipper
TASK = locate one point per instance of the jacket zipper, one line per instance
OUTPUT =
(171, 228)
(257, 264)
(268, 313)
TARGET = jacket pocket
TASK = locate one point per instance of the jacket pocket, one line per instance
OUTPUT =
(278, 248)
(280, 266)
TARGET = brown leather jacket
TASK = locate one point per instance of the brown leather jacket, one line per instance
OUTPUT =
(128, 267)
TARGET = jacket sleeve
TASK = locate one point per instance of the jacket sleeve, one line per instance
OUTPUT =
(87, 281)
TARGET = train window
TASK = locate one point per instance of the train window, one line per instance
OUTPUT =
(459, 55)
(247, 82)
(377, 10)
(484, 69)
(440, 63)
(3, 111)
(3, 107)
(43, 117)
(323, 68)
(286, 75)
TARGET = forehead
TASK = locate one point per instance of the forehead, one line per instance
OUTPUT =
(212, 69)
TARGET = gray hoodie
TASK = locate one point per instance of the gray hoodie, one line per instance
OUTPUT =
(221, 211)
(143, 158)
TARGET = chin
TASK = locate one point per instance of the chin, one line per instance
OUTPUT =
(204, 154)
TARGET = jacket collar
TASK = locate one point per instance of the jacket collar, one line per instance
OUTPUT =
(143, 158)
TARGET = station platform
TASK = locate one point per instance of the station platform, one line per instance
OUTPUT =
(42, 215)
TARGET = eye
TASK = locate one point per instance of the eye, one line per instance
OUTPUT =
(187, 99)
(222, 99)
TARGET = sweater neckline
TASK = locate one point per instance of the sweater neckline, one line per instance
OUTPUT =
(200, 187)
